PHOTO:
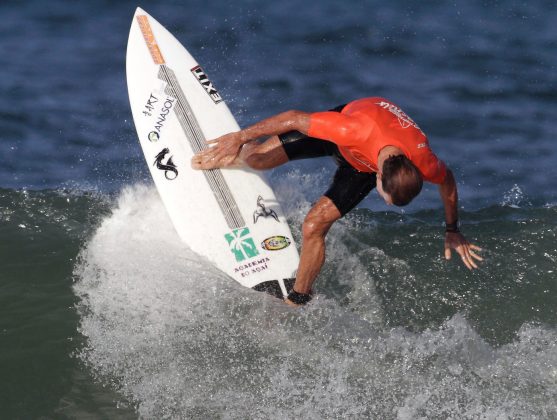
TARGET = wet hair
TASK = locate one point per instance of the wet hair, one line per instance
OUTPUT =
(401, 179)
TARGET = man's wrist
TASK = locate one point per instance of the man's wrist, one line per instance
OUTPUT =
(452, 227)
(244, 138)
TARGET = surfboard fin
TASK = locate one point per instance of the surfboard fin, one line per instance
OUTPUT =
(274, 287)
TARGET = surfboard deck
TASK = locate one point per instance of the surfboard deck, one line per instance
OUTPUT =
(229, 216)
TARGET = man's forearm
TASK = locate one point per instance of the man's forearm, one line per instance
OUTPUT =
(453, 238)
(278, 124)
(449, 195)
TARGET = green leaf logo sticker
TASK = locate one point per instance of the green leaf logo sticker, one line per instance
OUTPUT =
(241, 244)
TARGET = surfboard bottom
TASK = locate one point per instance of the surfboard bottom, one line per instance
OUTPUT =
(273, 287)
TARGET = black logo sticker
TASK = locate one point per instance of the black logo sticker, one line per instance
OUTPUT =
(169, 167)
(262, 211)
(150, 105)
(206, 83)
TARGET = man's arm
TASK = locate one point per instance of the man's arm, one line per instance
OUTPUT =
(453, 238)
(278, 124)
(227, 147)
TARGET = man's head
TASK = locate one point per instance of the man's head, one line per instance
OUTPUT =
(399, 181)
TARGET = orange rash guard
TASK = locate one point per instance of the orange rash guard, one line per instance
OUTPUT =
(367, 125)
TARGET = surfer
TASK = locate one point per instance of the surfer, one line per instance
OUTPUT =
(375, 145)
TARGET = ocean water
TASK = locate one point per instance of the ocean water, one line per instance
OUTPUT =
(104, 313)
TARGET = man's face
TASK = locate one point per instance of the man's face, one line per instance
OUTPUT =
(381, 192)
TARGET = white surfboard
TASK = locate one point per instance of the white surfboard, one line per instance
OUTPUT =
(229, 216)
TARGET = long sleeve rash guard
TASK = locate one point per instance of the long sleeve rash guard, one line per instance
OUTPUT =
(366, 126)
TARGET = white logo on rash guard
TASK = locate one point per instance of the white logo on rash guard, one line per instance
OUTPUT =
(404, 120)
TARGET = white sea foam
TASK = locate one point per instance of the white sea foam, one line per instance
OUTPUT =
(181, 340)
(515, 198)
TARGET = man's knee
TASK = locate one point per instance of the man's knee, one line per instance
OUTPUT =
(311, 228)
(315, 226)
(256, 160)
(266, 155)
(320, 218)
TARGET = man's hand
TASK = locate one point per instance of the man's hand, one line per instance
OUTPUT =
(455, 240)
(225, 150)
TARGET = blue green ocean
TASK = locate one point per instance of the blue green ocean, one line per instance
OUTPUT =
(106, 314)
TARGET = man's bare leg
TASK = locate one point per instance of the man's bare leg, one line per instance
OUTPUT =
(317, 222)
(316, 225)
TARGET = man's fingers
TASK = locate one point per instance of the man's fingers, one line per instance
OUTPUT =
(465, 250)
(466, 257)
(469, 258)
(465, 261)
(201, 159)
(212, 153)
(204, 153)
(476, 256)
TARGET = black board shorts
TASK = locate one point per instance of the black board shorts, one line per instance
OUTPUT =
(349, 186)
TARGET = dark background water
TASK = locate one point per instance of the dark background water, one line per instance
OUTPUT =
(88, 327)
(479, 77)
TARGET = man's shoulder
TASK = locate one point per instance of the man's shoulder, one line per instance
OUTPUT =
(368, 102)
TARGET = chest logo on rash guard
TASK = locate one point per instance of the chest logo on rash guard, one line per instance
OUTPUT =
(404, 120)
